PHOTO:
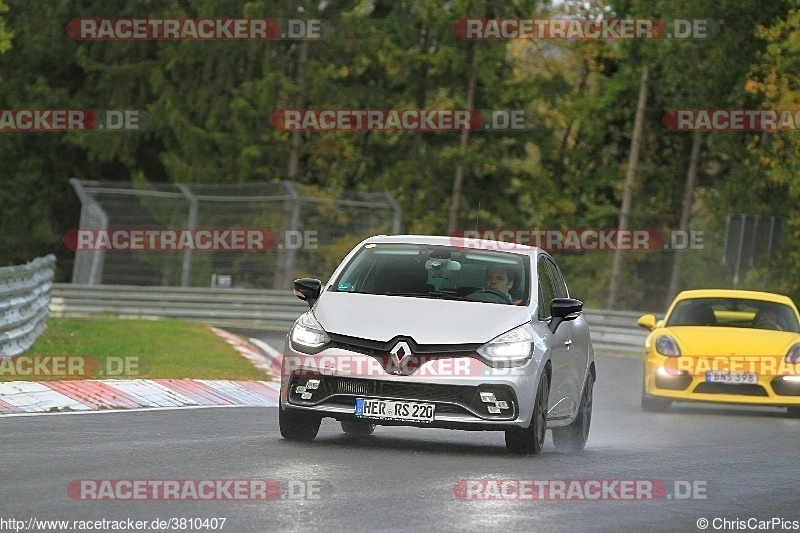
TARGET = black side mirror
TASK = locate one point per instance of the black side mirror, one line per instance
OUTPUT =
(308, 290)
(564, 309)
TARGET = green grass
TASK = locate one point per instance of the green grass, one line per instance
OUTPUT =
(133, 349)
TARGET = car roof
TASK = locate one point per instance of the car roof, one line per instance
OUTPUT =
(461, 242)
(735, 293)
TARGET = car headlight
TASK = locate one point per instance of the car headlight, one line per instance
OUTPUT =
(308, 333)
(513, 346)
(793, 355)
(666, 345)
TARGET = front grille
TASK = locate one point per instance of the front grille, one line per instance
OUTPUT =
(352, 386)
(373, 347)
(725, 388)
(428, 393)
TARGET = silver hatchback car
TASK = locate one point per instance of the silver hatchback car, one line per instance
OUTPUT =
(441, 332)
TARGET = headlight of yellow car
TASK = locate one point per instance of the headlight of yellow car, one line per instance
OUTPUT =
(793, 355)
(666, 345)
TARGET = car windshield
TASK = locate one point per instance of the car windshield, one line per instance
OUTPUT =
(734, 312)
(425, 271)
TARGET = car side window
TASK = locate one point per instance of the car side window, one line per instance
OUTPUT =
(558, 280)
(546, 289)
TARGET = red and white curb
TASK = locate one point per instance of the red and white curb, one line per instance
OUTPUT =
(250, 352)
(19, 397)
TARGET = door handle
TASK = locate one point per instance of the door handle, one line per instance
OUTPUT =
(568, 343)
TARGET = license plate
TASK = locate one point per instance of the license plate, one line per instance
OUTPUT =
(394, 410)
(734, 378)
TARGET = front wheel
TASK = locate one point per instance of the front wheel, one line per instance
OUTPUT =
(530, 440)
(298, 426)
(572, 438)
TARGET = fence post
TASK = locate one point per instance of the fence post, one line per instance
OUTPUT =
(284, 266)
(396, 208)
(294, 223)
(90, 211)
(186, 268)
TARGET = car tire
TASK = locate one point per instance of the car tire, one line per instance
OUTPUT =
(654, 404)
(356, 427)
(572, 438)
(793, 412)
(298, 426)
(530, 440)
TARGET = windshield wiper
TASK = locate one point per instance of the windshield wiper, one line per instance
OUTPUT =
(448, 296)
(413, 294)
(431, 294)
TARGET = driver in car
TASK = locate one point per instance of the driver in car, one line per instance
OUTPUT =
(500, 279)
(767, 319)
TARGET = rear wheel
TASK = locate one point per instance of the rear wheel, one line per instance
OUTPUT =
(356, 427)
(572, 438)
(298, 426)
(529, 440)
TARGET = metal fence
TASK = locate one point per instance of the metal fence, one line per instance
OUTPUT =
(612, 331)
(24, 303)
(313, 230)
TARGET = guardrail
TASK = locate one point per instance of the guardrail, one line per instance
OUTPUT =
(615, 331)
(250, 307)
(24, 301)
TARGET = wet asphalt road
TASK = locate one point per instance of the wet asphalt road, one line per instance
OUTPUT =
(741, 463)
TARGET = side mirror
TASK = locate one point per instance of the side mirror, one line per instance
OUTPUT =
(564, 309)
(308, 290)
(647, 322)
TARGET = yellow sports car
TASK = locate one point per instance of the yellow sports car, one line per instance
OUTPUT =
(729, 346)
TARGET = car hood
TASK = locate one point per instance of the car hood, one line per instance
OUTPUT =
(427, 321)
(714, 340)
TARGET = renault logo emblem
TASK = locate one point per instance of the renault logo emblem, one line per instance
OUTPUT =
(400, 351)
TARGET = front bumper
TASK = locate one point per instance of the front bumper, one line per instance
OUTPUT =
(344, 375)
(770, 389)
